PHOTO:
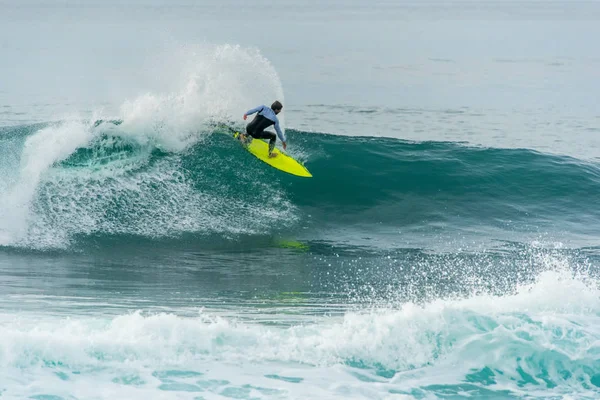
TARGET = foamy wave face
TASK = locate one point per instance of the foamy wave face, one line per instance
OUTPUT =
(151, 198)
(538, 341)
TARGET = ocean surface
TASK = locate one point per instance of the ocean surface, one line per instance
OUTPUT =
(448, 246)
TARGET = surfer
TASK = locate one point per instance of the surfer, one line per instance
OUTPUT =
(266, 117)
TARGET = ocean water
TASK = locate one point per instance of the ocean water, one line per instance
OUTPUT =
(448, 246)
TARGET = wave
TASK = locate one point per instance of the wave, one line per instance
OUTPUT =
(164, 168)
(77, 178)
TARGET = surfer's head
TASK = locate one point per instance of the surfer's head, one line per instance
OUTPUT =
(276, 106)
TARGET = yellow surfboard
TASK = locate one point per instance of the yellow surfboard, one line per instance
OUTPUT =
(282, 161)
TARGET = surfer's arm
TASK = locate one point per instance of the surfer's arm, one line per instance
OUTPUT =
(278, 130)
(250, 112)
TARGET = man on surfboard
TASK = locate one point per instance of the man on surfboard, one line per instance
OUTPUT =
(266, 117)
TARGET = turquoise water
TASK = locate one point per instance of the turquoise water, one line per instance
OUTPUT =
(446, 248)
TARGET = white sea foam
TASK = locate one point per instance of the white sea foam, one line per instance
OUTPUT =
(542, 339)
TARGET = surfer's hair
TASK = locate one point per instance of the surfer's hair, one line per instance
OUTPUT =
(276, 105)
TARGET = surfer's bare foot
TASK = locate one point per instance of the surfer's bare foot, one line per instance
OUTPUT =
(272, 155)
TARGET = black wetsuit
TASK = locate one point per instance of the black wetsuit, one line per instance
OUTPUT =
(257, 127)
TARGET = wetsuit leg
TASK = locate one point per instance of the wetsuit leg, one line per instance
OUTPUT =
(267, 135)
(256, 130)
